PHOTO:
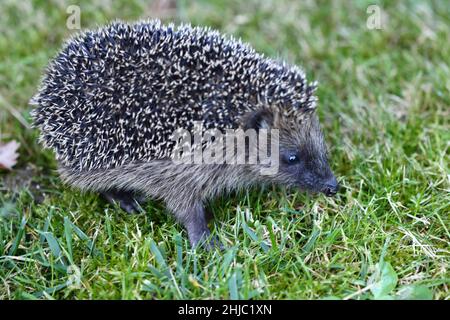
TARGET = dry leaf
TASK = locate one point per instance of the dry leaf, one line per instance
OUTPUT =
(8, 154)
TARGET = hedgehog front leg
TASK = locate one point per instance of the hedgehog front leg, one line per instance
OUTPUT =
(196, 225)
(194, 220)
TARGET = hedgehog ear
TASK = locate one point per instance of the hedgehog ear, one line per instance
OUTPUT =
(260, 119)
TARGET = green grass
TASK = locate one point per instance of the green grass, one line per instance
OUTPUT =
(384, 106)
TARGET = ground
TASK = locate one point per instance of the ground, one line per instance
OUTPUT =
(384, 106)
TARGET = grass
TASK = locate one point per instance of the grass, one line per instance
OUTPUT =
(384, 106)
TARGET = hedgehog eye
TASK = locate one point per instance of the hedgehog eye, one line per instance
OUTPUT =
(292, 158)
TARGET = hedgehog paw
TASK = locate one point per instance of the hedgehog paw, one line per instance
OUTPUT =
(127, 201)
(205, 240)
(213, 243)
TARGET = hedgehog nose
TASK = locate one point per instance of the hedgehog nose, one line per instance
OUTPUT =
(331, 187)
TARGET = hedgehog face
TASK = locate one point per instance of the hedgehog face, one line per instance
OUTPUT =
(303, 157)
(303, 161)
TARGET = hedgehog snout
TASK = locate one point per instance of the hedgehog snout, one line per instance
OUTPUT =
(331, 187)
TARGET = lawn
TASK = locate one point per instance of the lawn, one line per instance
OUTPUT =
(384, 106)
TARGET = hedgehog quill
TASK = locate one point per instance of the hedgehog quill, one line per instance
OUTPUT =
(111, 100)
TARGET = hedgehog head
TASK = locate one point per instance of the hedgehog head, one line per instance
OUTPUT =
(303, 160)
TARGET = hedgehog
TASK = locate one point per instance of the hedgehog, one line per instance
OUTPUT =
(112, 98)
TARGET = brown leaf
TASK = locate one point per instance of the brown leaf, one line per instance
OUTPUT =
(8, 154)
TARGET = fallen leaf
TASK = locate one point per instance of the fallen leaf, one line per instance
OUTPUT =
(8, 154)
